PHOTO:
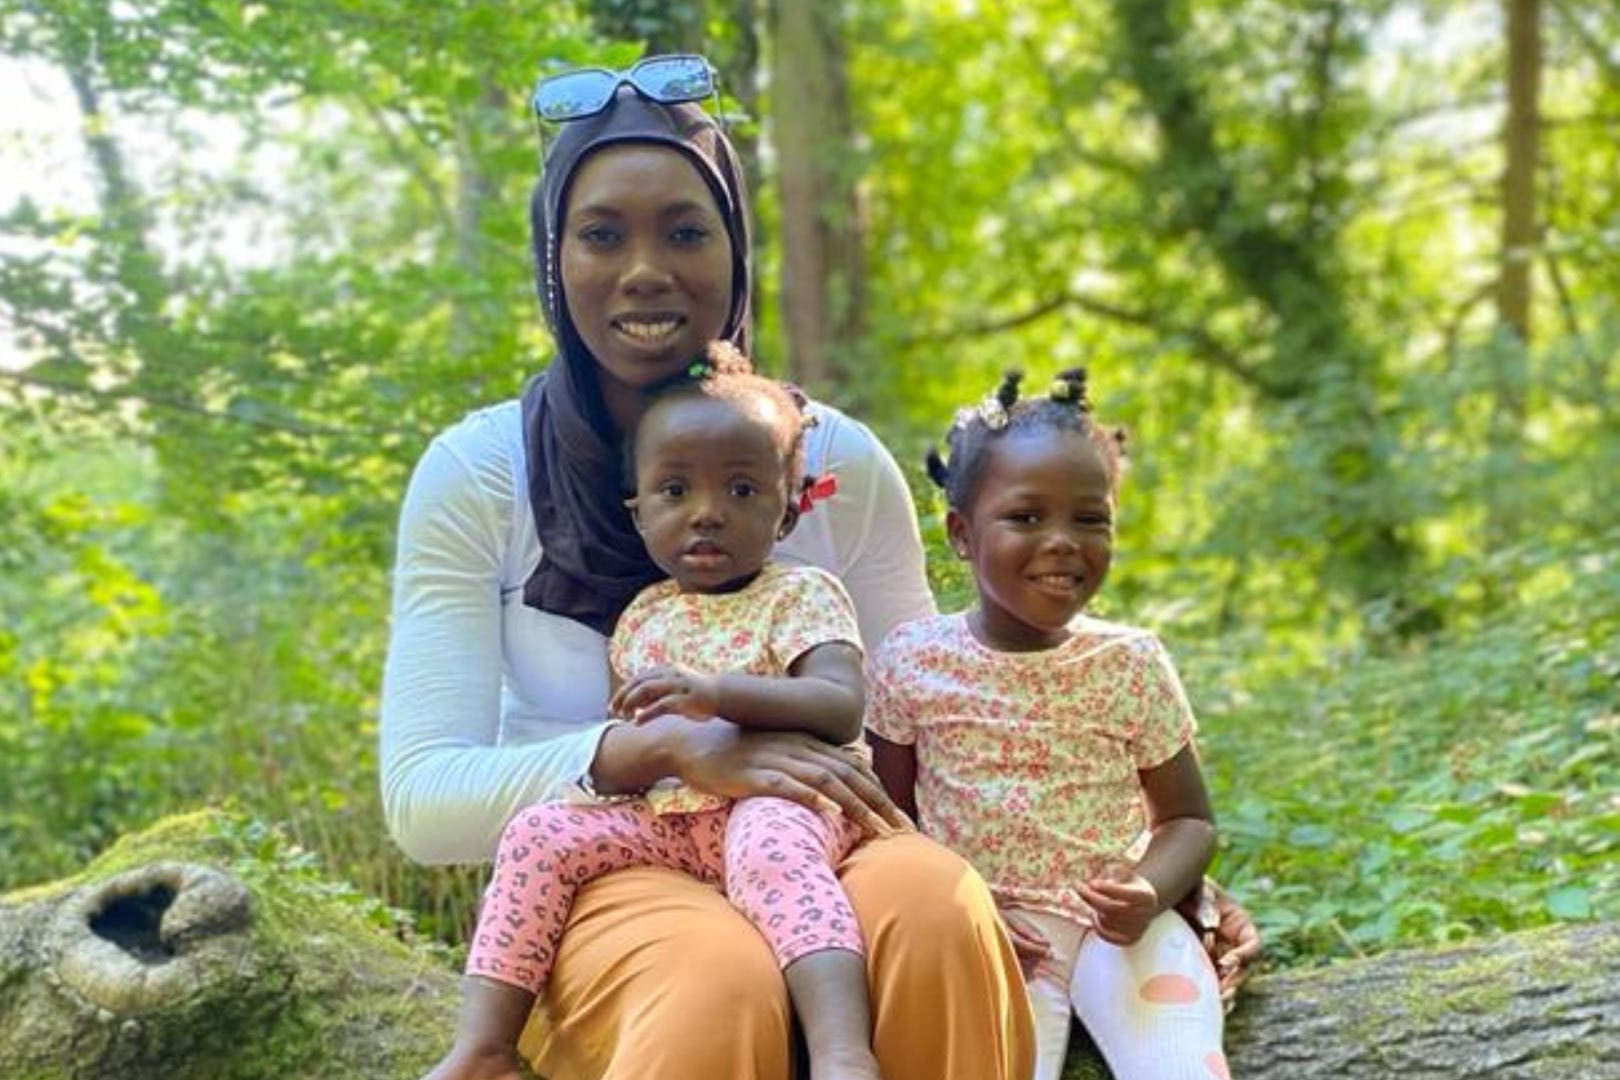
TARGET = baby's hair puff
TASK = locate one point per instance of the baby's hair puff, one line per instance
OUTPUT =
(1064, 407)
(725, 373)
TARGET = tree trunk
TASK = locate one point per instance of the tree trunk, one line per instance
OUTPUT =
(1520, 240)
(477, 126)
(1523, 150)
(823, 273)
(1542, 1004)
(664, 27)
(207, 948)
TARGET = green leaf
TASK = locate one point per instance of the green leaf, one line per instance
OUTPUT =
(1570, 902)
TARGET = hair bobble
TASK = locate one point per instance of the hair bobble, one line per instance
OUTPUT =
(1069, 388)
(817, 489)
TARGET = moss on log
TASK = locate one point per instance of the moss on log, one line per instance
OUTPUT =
(207, 948)
(1538, 1005)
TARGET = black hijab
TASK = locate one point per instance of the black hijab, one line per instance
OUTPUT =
(592, 559)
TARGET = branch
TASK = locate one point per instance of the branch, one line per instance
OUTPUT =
(1599, 50)
(1459, 315)
(1206, 345)
(159, 401)
(412, 164)
(1322, 86)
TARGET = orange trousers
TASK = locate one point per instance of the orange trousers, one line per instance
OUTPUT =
(659, 976)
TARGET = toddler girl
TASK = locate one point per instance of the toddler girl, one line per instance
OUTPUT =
(1030, 737)
(717, 460)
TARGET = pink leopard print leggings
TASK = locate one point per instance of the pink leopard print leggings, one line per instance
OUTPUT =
(774, 859)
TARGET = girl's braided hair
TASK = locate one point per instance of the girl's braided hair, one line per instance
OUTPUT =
(1064, 407)
(725, 373)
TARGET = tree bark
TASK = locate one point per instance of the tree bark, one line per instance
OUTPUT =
(1520, 241)
(1541, 1004)
(1522, 139)
(812, 132)
(208, 948)
(664, 27)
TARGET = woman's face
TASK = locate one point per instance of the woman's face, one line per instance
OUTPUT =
(646, 264)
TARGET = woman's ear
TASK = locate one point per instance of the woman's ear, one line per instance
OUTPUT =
(790, 518)
(635, 511)
(956, 527)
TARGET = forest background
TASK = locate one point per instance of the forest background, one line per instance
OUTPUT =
(1347, 270)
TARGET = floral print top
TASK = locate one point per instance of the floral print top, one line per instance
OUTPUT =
(760, 630)
(1027, 762)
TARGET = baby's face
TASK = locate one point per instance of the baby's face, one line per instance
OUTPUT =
(711, 499)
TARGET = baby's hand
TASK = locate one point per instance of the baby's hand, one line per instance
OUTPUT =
(665, 690)
(1123, 902)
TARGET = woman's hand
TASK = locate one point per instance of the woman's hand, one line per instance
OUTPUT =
(1234, 943)
(666, 690)
(721, 759)
(1228, 935)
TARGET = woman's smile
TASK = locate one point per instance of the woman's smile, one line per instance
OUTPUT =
(652, 330)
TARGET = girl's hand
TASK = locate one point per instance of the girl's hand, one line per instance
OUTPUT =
(722, 759)
(1028, 943)
(1122, 904)
(664, 691)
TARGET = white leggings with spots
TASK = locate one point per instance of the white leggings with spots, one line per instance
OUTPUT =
(1154, 1009)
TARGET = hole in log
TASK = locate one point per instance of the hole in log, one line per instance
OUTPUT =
(131, 922)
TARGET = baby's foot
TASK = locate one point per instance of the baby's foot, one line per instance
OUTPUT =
(462, 1064)
(855, 1063)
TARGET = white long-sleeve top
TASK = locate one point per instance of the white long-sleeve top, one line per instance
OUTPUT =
(489, 704)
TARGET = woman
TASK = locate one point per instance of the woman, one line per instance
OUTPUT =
(515, 557)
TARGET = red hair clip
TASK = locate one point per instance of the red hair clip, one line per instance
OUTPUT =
(816, 490)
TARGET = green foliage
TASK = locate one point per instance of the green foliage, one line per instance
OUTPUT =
(1460, 785)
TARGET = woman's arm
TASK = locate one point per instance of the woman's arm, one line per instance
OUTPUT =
(896, 767)
(447, 788)
(822, 695)
(720, 758)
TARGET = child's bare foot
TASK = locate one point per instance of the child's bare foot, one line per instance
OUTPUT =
(855, 1063)
(464, 1064)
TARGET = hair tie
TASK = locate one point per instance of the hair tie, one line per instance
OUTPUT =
(699, 369)
(817, 489)
(993, 412)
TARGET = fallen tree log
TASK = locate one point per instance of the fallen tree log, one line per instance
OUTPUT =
(207, 948)
(1536, 1005)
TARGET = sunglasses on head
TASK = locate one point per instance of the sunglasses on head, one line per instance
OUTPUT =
(668, 80)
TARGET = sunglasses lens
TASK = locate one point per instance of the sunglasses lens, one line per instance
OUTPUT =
(573, 94)
(673, 78)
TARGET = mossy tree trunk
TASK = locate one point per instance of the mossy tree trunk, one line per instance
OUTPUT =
(209, 949)
(1542, 1004)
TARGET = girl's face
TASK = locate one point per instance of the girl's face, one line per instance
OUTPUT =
(645, 262)
(711, 497)
(1039, 534)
